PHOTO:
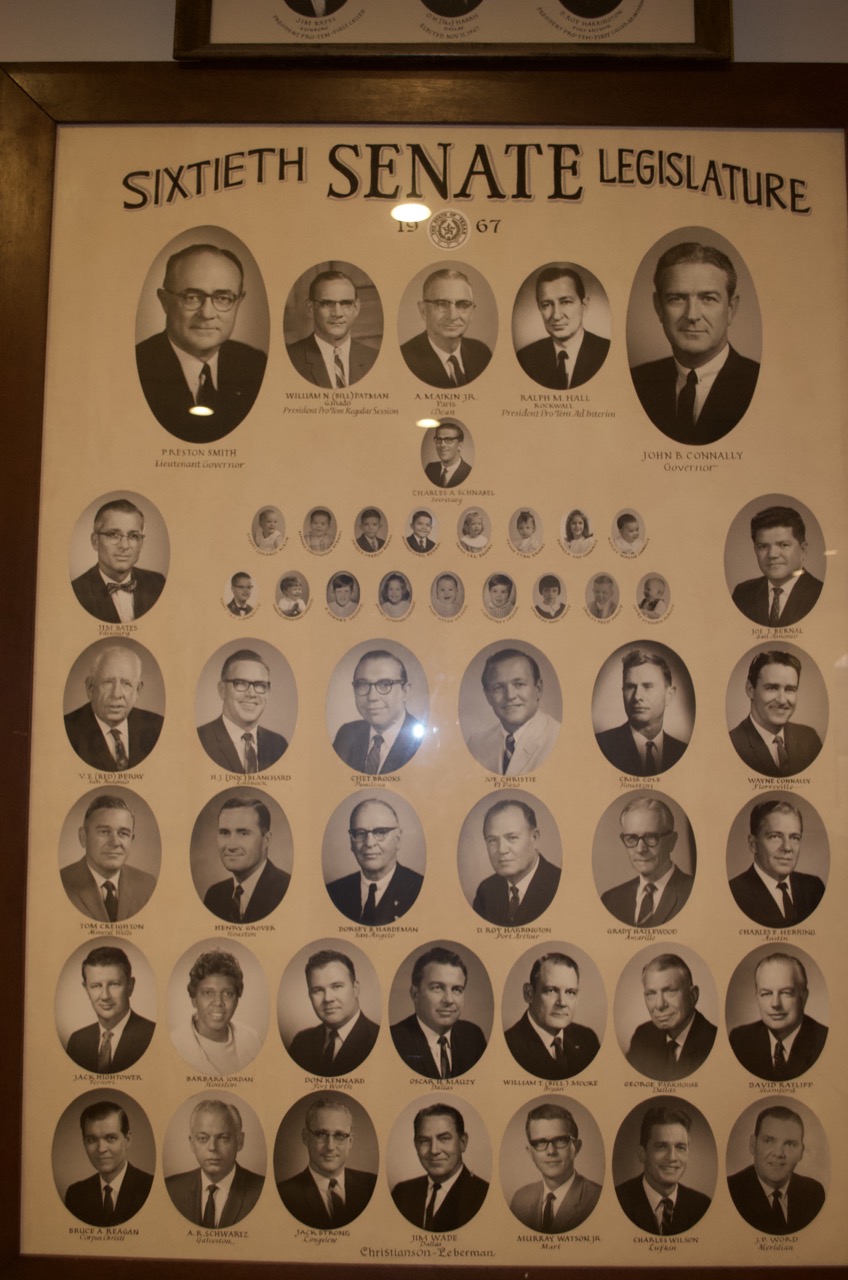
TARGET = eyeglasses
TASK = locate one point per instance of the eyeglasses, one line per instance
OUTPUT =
(242, 686)
(445, 439)
(114, 536)
(561, 1141)
(361, 834)
(329, 304)
(194, 299)
(649, 838)
(363, 687)
(329, 1135)
(444, 304)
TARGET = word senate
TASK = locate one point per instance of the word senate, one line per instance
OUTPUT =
(412, 171)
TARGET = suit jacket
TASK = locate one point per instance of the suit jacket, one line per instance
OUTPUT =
(93, 594)
(86, 739)
(620, 749)
(351, 743)
(433, 472)
(304, 1201)
(137, 1034)
(467, 1045)
(580, 1044)
(305, 8)
(802, 746)
(240, 372)
(364, 545)
(86, 1203)
(400, 894)
(491, 901)
(655, 384)
(459, 1206)
(539, 360)
(580, 1200)
(218, 745)
(186, 1192)
(805, 1196)
(307, 1048)
(135, 887)
(234, 609)
(422, 360)
(689, 1208)
(621, 899)
(752, 598)
(752, 1047)
(412, 543)
(267, 895)
(754, 899)
(648, 1055)
(306, 357)
(531, 749)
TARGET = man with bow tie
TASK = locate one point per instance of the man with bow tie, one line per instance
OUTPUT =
(115, 589)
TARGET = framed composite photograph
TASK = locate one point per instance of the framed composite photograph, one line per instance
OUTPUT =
(503, 30)
(425, 510)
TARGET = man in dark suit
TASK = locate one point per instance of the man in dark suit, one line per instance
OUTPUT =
(769, 1194)
(345, 1037)
(383, 889)
(658, 1201)
(785, 593)
(641, 746)
(327, 1194)
(546, 1040)
(255, 886)
(120, 1036)
(115, 589)
(660, 889)
(329, 356)
(387, 736)
(442, 356)
(786, 1041)
(118, 1189)
(235, 741)
(698, 393)
(570, 355)
(198, 381)
(102, 884)
(564, 1198)
(771, 892)
(765, 740)
(241, 585)
(524, 883)
(678, 1038)
(450, 469)
(434, 1041)
(370, 521)
(109, 732)
(449, 1195)
(221, 1192)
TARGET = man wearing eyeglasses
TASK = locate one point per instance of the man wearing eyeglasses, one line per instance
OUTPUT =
(450, 469)
(329, 356)
(115, 590)
(660, 889)
(383, 889)
(442, 355)
(564, 1198)
(327, 1194)
(198, 381)
(387, 736)
(235, 741)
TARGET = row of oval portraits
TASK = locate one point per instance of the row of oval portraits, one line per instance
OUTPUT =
(510, 707)
(130, 541)
(203, 329)
(665, 1138)
(242, 836)
(553, 1009)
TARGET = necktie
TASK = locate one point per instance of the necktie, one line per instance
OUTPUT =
(110, 898)
(330, 1050)
(646, 910)
(104, 1054)
(206, 393)
(339, 368)
(686, 402)
(209, 1210)
(235, 904)
(444, 1061)
(457, 376)
(509, 750)
(671, 1047)
(651, 759)
(121, 758)
(422, 544)
(336, 1204)
(782, 755)
(548, 1213)
(428, 1212)
(779, 1061)
(372, 760)
(443, 479)
(513, 904)
(562, 370)
(251, 764)
(109, 1206)
(369, 911)
(778, 1217)
(372, 542)
(788, 904)
(129, 585)
(774, 611)
(665, 1216)
(558, 1048)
